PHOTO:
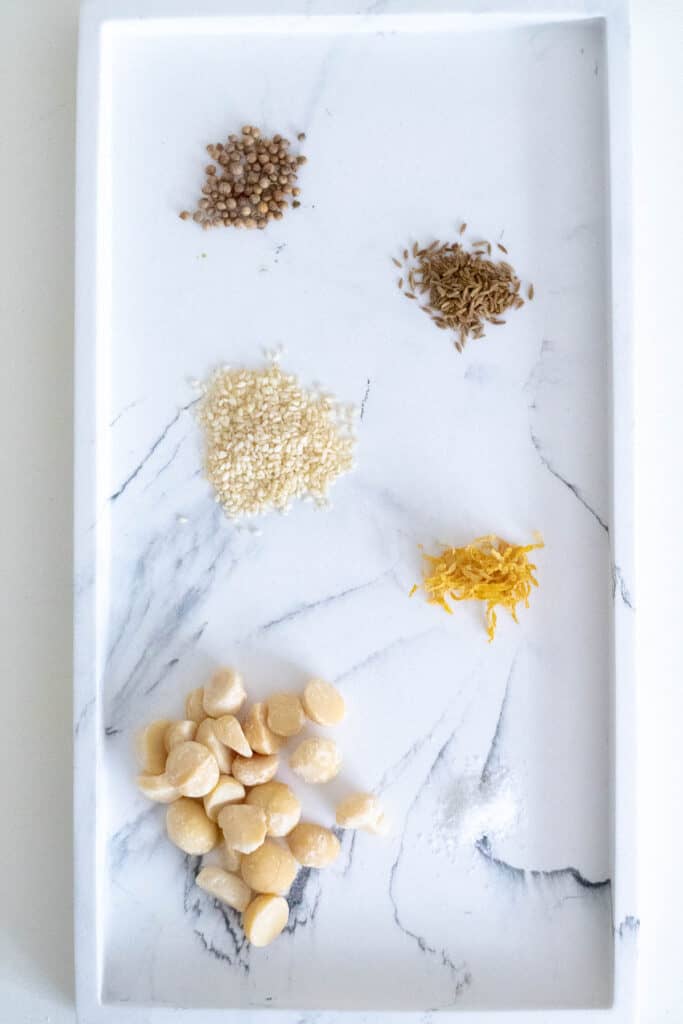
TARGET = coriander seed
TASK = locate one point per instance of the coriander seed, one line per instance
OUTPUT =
(252, 171)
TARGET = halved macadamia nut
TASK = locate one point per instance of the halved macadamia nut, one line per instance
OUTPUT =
(150, 747)
(179, 732)
(229, 731)
(226, 791)
(323, 703)
(206, 734)
(194, 705)
(224, 694)
(261, 739)
(229, 889)
(192, 769)
(254, 771)
(158, 788)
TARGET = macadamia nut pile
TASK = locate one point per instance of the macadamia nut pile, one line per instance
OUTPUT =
(215, 768)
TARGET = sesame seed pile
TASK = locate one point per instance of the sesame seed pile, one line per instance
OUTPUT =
(250, 182)
(269, 441)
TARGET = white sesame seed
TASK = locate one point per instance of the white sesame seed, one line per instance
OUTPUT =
(268, 441)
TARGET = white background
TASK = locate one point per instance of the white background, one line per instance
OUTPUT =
(37, 94)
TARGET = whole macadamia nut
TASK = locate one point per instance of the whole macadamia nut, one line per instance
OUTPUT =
(243, 827)
(316, 760)
(314, 846)
(270, 868)
(189, 828)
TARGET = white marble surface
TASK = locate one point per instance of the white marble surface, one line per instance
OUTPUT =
(512, 437)
(35, 962)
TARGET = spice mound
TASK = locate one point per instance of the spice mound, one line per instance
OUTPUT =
(489, 569)
(269, 441)
(463, 288)
(250, 182)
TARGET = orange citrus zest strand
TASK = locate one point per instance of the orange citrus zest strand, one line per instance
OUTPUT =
(489, 569)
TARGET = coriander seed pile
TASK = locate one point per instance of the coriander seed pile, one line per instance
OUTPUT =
(250, 182)
(463, 288)
(268, 441)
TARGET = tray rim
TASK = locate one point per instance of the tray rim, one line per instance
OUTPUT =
(91, 318)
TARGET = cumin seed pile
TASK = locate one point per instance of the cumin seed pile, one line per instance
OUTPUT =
(464, 288)
(250, 182)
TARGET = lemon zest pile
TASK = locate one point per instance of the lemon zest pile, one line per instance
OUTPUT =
(489, 569)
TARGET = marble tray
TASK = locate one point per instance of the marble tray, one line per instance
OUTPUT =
(514, 117)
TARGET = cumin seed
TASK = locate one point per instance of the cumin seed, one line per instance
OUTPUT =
(462, 286)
